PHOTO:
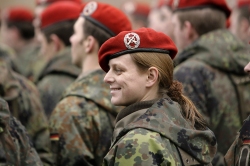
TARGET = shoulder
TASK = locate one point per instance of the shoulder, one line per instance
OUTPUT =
(73, 109)
(144, 147)
(192, 65)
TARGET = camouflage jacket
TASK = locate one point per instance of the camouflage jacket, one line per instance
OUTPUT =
(235, 154)
(81, 125)
(24, 60)
(24, 102)
(14, 142)
(8, 55)
(155, 133)
(207, 70)
(58, 74)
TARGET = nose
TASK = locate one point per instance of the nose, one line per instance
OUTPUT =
(109, 78)
(71, 39)
(247, 68)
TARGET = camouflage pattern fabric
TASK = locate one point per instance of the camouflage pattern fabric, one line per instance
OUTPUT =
(14, 141)
(23, 100)
(38, 67)
(58, 74)
(8, 55)
(24, 60)
(154, 134)
(81, 125)
(206, 69)
(243, 138)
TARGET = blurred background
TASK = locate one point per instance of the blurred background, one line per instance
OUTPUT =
(117, 3)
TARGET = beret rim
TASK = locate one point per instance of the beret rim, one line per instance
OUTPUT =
(99, 24)
(138, 50)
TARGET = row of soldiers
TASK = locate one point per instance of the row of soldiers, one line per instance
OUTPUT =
(68, 87)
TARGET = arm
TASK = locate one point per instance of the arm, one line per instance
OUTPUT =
(74, 131)
(15, 142)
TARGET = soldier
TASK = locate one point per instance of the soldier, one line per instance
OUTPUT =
(239, 152)
(57, 22)
(160, 17)
(81, 125)
(210, 67)
(18, 33)
(14, 142)
(25, 105)
(137, 13)
(240, 25)
(159, 125)
(41, 62)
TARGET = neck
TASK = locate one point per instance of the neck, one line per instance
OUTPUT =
(90, 63)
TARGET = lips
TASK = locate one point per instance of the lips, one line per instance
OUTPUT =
(114, 89)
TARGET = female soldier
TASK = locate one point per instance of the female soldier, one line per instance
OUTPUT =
(159, 125)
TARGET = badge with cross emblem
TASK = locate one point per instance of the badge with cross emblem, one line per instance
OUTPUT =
(90, 8)
(132, 40)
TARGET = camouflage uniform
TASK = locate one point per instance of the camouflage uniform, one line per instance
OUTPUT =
(24, 60)
(210, 70)
(242, 141)
(38, 67)
(25, 105)
(8, 55)
(16, 148)
(155, 133)
(58, 74)
(81, 125)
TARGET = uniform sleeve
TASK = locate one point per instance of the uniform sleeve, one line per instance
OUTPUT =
(142, 147)
(17, 146)
(74, 131)
(196, 85)
(32, 116)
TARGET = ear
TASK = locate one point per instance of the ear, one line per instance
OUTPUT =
(190, 32)
(89, 44)
(152, 76)
(58, 44)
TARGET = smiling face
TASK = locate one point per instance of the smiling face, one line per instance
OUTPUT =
(127, 83)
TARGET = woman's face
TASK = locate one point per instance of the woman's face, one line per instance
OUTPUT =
(127, 83)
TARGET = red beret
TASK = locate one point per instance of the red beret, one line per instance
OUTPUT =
(194, 4)
(45, 2)
(18, 14)
(107, 17)
(241, 3)
(59, 11)
(141, 40)
(131, 7)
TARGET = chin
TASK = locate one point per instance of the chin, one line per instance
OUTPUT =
(120, 103)
(116, 103)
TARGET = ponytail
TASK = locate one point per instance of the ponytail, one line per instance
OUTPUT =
(189, 111)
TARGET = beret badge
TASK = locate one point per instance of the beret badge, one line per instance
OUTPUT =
(90, 8)
(132, 40)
